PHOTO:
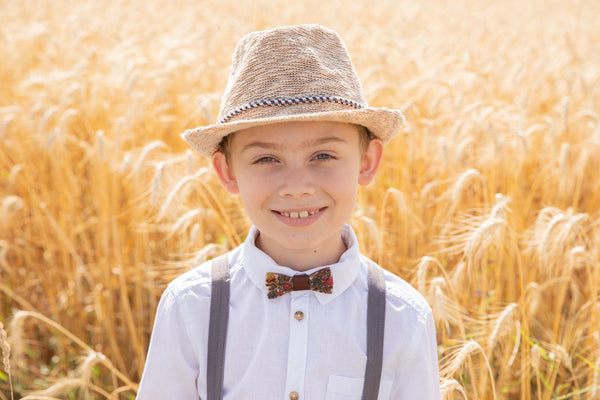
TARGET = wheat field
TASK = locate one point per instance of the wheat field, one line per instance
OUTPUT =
(488, 200)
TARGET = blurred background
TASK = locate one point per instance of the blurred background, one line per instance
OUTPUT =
(487, 202)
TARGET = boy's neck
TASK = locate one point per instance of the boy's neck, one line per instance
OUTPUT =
(302, 259)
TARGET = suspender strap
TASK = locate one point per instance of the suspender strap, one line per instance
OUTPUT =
(217, 327)
(375, 329)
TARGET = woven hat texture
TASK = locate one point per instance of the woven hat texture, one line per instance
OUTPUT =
(292, 73)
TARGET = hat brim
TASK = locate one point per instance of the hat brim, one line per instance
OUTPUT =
(383, 123)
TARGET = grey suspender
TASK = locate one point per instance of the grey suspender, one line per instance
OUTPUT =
(375, 328)
(217, 327)
(219, 315)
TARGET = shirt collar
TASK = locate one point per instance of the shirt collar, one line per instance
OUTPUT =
(256, 264)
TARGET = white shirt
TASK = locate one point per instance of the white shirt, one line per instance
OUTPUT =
(271, 353)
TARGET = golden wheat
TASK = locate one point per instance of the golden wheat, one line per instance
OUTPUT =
(487, 201)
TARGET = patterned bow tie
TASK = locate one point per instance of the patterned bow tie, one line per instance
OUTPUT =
(279, 284)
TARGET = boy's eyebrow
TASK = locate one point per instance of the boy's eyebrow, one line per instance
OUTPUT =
(305, 144)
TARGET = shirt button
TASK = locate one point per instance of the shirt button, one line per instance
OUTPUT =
(299, 315)
(294, 396)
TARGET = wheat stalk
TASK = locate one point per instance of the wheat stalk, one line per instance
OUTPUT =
(17, 330)
(5, 347)
(501, 324)
(449, 386)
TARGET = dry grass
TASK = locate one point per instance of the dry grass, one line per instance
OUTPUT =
(488, 200)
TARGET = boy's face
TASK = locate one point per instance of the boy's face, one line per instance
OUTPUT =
(298, 182)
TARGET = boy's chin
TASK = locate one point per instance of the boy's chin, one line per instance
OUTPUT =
(308, 241)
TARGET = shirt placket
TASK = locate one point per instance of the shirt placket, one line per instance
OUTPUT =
(298, 346)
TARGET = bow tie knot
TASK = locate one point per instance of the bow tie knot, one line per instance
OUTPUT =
(280, 284)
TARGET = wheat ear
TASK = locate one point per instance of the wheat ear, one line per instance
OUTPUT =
(6, 357)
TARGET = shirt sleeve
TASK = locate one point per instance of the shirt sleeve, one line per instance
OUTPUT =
(420, 374)
(171, 370)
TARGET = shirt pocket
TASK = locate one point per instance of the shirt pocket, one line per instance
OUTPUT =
(342, 388)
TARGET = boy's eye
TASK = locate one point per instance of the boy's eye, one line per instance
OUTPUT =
(266, 159)
(324, 156)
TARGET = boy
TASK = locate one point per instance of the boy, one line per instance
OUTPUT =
(295, 312)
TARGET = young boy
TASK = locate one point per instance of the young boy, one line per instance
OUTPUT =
(295, 312)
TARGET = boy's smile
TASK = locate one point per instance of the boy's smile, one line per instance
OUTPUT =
(299, 218)
(298, 182)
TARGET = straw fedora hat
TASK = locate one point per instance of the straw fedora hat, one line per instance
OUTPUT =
(292, 73)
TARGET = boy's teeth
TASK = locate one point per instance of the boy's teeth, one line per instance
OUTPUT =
(301, 214)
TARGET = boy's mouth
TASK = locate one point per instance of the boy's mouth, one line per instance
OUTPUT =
(298, 214)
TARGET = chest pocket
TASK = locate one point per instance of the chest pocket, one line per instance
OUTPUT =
(342, 388)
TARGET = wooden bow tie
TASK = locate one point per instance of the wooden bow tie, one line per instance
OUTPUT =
(279, 284)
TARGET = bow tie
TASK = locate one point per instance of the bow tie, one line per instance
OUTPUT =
(279, 284)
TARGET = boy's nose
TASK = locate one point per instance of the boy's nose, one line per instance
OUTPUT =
(296, 184)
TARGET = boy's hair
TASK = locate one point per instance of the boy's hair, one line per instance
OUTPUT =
(364, 138)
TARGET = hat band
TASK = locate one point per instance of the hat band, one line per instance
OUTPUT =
(289, 102)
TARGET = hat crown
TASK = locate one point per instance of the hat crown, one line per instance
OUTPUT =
(287, 63)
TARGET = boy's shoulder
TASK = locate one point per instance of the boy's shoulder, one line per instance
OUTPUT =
(401, 295)
(197, 281)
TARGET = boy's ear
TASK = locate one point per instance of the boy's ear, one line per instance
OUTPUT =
(371, 160)
(224, 172)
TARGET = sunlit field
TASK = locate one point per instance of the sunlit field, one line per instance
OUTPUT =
(488, 200)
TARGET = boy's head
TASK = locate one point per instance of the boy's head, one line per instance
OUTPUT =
(295, 138)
